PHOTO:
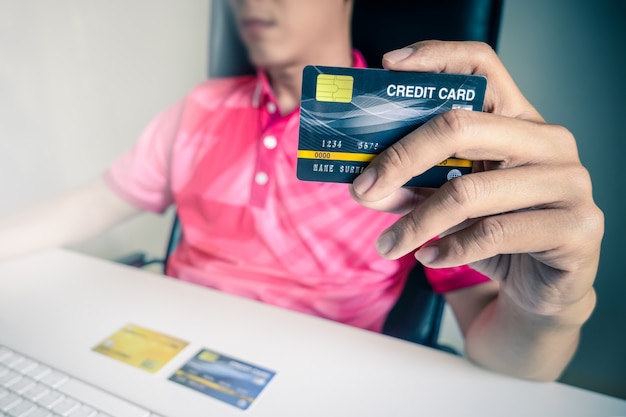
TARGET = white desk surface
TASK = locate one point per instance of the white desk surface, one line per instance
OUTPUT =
(322, 368)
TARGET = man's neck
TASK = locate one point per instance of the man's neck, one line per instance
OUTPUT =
(286, 84)
(287, 80)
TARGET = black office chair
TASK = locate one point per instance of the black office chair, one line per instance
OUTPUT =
(377, 27)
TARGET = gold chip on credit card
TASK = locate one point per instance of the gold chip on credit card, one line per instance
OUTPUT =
(334, 88)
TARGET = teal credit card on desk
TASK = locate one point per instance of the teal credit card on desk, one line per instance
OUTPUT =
(350, 115)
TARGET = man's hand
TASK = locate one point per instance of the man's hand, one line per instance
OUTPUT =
(526, 217)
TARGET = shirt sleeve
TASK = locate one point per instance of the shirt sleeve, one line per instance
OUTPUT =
(141, 176)
(449, 279)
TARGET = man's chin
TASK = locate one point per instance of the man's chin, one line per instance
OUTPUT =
(268, 62)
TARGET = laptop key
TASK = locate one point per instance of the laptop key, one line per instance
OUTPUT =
(50, 399)
(41, 412)
(4, 352)
(22, 409)
(14, 360)
(25, 365)
(54, 379)
(65, 407)
(21, 386)
(38, 372)
(35, 392)
(83, 411)
(10, 358)
(9, 379)
(8, 401)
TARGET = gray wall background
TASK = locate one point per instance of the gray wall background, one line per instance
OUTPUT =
(568, 58)
(79, 80)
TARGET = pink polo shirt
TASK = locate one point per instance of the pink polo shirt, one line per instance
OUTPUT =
(226, 157)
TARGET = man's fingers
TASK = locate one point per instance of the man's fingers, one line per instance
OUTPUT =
(547, 235)
(401, 201)
(502, 97)
(467, 135)
(481, 195)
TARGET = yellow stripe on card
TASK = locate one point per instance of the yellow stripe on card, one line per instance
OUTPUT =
(454, 162)
(336, 156)
(368, 157)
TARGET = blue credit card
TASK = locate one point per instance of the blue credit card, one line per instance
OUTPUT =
(227, 379)
(350, 115)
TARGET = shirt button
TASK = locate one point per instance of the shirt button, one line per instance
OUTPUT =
(271, 107)
(261, 178)
(270, 142)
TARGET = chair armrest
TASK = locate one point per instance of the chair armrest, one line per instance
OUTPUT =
(416, 316)
(137, 259)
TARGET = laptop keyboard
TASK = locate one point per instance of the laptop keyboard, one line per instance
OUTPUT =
(29, 388)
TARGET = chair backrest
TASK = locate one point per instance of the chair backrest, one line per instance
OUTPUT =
(378, 27)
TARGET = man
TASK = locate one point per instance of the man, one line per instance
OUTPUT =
(225, 155)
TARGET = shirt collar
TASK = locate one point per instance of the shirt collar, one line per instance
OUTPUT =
(263, 92)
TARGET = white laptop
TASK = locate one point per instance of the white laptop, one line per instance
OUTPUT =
(83, 337)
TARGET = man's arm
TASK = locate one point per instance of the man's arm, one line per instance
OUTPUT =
(501, 336)
(72, 217)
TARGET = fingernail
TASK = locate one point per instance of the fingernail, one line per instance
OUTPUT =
(386, 242)
(398, 55)
(364, 182)
(427, 254)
